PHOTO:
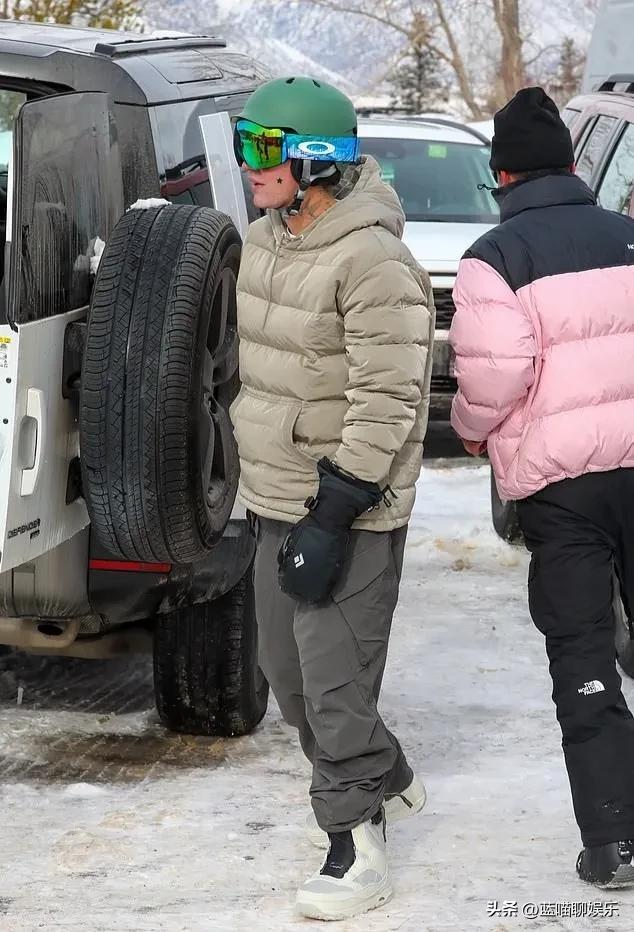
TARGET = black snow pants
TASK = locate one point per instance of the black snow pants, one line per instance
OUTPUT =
(580, 533)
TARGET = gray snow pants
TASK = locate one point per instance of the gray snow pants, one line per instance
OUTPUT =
(325, 665)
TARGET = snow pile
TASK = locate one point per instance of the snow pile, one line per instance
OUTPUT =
(95, 259)
(451, 525)
(148, 203)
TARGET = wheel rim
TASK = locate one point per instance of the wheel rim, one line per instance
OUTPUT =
(220, 386)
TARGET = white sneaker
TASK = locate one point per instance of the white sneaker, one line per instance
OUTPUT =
(354, 877)
(397, 806)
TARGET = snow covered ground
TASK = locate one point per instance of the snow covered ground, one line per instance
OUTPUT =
(111, 824)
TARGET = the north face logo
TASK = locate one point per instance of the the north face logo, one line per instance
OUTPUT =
(594, 686)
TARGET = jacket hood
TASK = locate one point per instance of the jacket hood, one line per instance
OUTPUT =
(363, 200)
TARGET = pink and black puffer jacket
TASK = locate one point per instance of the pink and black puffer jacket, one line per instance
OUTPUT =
(544, 337)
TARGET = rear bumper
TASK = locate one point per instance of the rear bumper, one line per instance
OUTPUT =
(440, 406)
(121, 594)
(444, 359)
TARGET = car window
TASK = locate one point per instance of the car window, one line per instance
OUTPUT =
(437, 181)
(581, 133)
(69, 194)
(594, 147)
(569, 115)
(185, 176)
(615, 190)
(10, 103)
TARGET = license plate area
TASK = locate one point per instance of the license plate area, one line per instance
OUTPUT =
(444, 357)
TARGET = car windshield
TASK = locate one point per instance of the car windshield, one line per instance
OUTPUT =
(437, 181)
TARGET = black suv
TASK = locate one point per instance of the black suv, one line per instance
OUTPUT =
(118, 362)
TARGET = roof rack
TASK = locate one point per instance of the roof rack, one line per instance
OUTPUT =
(454, 124)
(142, 44)
(395, 114)
(382, 110)
(615, 79)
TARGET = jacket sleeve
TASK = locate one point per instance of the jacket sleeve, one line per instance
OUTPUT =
(494, 342)
(388, 320)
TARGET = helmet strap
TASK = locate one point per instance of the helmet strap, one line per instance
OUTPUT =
(300, 169)
(306, 172)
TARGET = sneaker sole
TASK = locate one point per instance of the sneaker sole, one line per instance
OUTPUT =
(310, 907)
(320, 840)
(624, 877)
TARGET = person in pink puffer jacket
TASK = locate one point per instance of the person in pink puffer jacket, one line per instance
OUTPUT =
(544, 340)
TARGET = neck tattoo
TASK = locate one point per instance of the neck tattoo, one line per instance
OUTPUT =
(313, 210)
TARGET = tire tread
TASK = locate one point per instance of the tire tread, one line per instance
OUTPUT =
(141, 383)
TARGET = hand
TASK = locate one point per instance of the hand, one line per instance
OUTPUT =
(311, 558)
(475, 447)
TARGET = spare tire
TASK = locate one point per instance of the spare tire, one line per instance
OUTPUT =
(160, 370)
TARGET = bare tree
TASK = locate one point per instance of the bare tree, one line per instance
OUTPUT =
(504, 58)
(507, 20)
(455, 59)
(405, 17)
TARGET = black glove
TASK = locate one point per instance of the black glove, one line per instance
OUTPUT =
(312, 556)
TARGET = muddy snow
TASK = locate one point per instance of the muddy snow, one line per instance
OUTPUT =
(110, 823)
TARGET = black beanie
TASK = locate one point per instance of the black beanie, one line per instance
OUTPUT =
(530, 134)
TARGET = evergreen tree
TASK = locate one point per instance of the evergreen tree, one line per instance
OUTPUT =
(569, 71)
(416, 81)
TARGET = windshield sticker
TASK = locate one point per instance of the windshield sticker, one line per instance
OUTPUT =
(388, 173)
(436, 150)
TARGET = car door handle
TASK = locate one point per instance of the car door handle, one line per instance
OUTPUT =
(31, 442)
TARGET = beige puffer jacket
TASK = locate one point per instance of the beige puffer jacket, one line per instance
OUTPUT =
(336, 328)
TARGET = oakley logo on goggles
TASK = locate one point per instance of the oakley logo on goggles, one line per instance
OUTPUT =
(260, 147)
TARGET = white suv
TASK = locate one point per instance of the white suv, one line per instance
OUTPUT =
(436, 167)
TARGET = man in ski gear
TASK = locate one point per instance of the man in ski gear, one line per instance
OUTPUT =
(336, 322)
(544, 342)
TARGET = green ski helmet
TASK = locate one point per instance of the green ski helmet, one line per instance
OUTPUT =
(312, 124)
(304, 106)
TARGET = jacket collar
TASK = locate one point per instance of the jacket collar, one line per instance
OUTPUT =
(362, 200)
(547, 191)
